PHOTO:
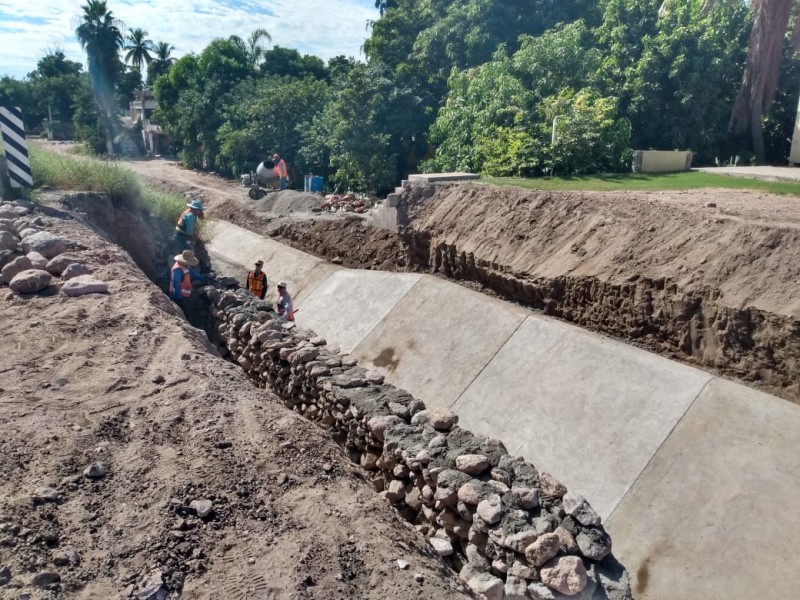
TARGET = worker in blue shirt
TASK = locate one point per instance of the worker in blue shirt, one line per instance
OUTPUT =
(187, 223)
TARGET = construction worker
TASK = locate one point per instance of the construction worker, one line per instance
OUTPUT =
(257, 281)
(284, 304)
(181, 276)
(185, 226)
(280, 168)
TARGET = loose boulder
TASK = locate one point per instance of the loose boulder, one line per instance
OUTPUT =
(8, 241)
(46, 244)
(59, 264)
(37, 260)
(31, 281)
(84, 284)
(16, 266)
(75, 270)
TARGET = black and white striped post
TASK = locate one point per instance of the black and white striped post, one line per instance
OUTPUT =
(19, 164)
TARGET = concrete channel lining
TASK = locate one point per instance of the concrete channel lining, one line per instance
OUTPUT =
(349, 304)
(714, 515)
(439, 337)
(587, 409)
(695, 476)
(237, 246)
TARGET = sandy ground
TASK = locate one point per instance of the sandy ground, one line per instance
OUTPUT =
(122, 379)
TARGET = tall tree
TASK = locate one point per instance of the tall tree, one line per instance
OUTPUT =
(255, 45)
(139, 49)
(161, 62)
(100, 35)
(762, 69)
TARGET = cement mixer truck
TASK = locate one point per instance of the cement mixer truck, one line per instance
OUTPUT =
(264, 180)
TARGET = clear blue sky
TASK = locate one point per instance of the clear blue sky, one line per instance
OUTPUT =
(326, 28)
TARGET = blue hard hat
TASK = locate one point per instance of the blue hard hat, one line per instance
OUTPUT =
(196, 204)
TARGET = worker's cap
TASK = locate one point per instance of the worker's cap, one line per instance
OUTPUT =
(282, 284)
(196, 204)
(187, 257)
(259, 263)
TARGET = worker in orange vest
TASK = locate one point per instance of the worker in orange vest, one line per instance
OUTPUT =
(257, 281)
(280, 167)
(182, 273)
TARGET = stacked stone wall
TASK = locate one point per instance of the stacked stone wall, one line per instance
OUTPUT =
(510, 530)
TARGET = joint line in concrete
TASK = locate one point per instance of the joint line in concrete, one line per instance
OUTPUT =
(488, 362)
(661, 445)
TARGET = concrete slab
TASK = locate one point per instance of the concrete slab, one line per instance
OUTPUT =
(767, 173)
(349, 304)
(233, 245)
(438, 338)
(714, 515)
(441, 177)
(589, 410)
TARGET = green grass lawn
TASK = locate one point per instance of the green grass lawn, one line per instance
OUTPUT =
(648, 182)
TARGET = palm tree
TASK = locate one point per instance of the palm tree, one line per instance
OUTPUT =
(139, 48)
(99, 33)
(254, 48)
(161, 61)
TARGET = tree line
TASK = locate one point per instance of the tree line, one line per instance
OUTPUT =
(524, 88)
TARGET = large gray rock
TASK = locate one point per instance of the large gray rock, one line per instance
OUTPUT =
(75, 270)
(58, 265)
(594, 543)
(31, 281)
(9, 211)
(6, 256)
(8, 225)
(46, 244)
(37, 260)
(8, 241)
(577, 506)
(16, 266)
(84, 284)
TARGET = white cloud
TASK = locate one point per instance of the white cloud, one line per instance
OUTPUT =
(326, 28)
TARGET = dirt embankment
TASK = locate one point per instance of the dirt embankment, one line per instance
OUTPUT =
(708, 277)
(122, 379)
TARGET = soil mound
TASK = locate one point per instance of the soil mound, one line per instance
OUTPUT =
(287, 201)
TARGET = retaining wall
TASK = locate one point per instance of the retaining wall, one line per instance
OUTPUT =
(508, 529)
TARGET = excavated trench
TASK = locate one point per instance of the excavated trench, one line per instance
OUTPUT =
(505, 527)
(499, 244)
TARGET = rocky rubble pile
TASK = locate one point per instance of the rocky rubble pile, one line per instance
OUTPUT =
(510, 530)
(31, 257)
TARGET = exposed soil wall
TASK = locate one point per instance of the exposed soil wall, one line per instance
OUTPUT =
(710, 278)
(503, 525)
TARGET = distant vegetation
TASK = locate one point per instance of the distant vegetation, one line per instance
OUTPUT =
(86, 174)
(501, 88)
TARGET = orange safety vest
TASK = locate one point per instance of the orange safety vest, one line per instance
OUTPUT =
(186, 282)
(179, 222)
(256, 284)
(281, 168)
